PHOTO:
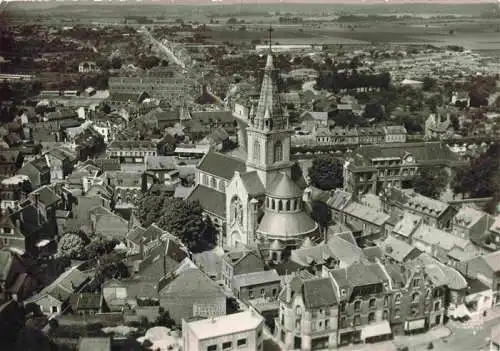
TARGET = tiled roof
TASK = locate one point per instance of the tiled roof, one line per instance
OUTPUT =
(283, 186)
(366, 213)
(47, 196)
(407, 224)
(211, 200)
(160, 162)
(359, 274)
(221, 165)
(5, 264)
(397, 249)
(192, 283)
(433, 236)
(319, 293)
(206, 116)
(441, 274)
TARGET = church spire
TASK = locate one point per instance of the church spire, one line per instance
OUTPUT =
(269, 115)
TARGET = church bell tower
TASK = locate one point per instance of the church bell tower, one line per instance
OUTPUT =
(268, 131)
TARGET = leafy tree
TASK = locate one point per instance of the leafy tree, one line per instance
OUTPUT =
(71, 246)
(321, 213)
(374, 110)
(116, 62)
(100, 246)
(482, 178)
(326, 173)
(181, 218)
(428, 83)
(431, 182)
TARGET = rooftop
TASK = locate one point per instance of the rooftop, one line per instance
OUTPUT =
(226, 325)
(221, 165)
(255, 278)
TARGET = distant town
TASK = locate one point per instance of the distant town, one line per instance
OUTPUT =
(242, 181)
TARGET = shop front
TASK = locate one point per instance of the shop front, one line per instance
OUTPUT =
(376, 332)
(416, 326)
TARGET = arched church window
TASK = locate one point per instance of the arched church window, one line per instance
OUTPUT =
(222, 186)
(287, 205)
(205, 179)
(296, 205)
(256, 151)
(267, 202)
(278, 151)
(213, 183)
(273, 204)
(280, 205)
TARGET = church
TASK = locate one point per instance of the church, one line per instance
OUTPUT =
(256, 202)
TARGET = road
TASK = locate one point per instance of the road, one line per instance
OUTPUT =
(166, 50)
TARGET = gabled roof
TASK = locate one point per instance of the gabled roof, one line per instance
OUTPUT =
(339, 199)
(397, 249)
(433, 236)
(407, 224)
(359, 274)
(319, 293)
(47, 196)
(5, 264)
(211, 200)
(221, 165)
(366, 213)
(441, 274)
(191, 283)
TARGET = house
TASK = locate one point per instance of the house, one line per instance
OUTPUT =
(86, 303)
(10, 234)
(399, 251)
(486, 269)
(104, 222)
(94, 344)
(263, 284)
(38, 171)
(313, 120)
(10, 161)
(437, 126)
(434, 212)
(240, 262)
(131, 151)
(395, 134)
(163, 169)
(13, 190)
(54, 298)
(308, 313)
(61, 162)
(371, 168)
(191, 293)
(218, 140)
(364, 220)
(241, 331)
(471, 224)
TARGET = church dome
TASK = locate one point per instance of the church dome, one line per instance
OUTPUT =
(284, 187)
(287, 225)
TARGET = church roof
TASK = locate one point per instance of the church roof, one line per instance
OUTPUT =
(287, 224)
(221, 165)
(210, 200)
(284, 187)
(252, 183)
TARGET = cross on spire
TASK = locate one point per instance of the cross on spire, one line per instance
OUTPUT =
(270, 30)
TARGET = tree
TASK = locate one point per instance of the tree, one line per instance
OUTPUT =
(116, 62)
(374, 110)
(321, 213)
(181, 218)
(326, 173)
(100, 246)
(431, 182)
(482, 177)
(428, 83)
(71, 246)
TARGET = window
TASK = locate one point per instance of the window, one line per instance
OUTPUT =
(327, 323)
(213, 183)
(385, 315)
(54, 309)
(343, 323)
(298, 311)
(280, 205)
(342, 307)
(372, 303)
(386, 300)
(259, 333)
(344, 292)
(297, 323)
(397, 299)
(250, 294)
(437, 306)
(241, 342)
(222, 185)
(256, 151)
(357, 306)
(414, 312)
(371, 317)
(357, 320)
(428, 294)
(278, 152)
(205, 179)
(275, 291)
(416, 283)
(287, 205)
(6, 230)
(212, 348)
(415, 297)
(262, 292)
(397, 313)
(227, 345)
